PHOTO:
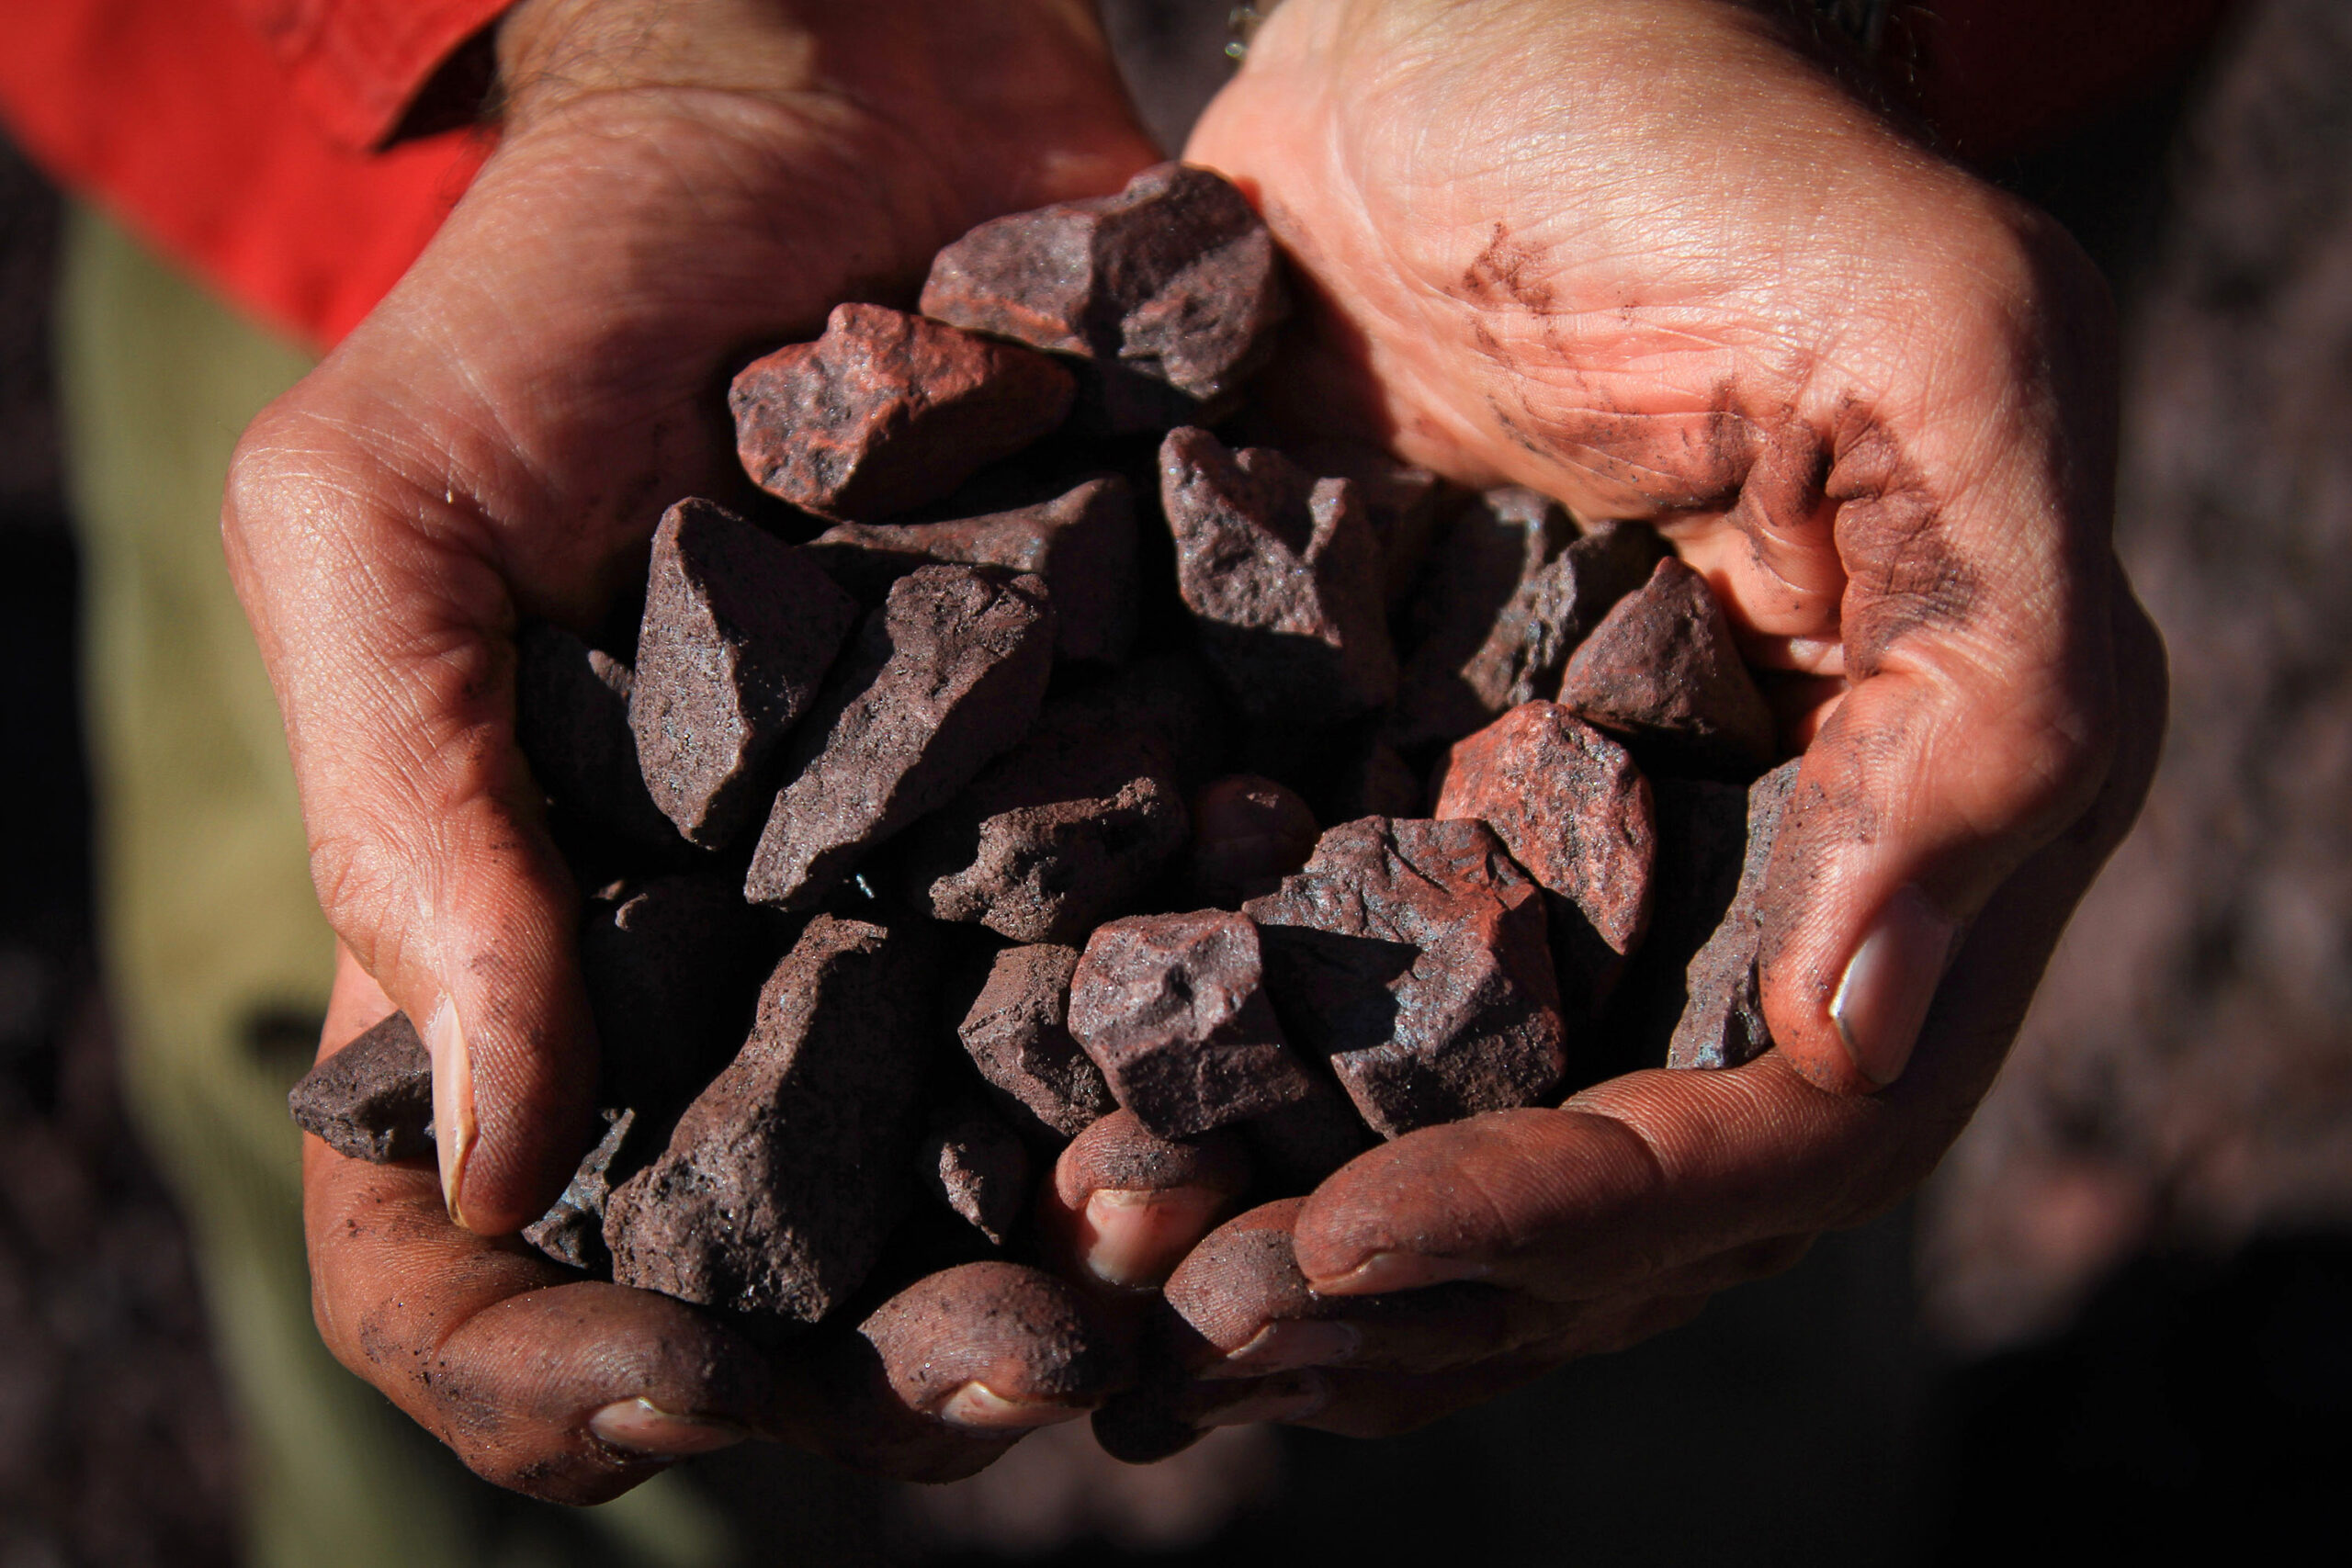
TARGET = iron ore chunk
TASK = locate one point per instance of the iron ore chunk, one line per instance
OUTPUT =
(1170, 291)
(740, 628)
(1552, 613)
(372, 1099)
(888, 411)
(1282, 579)
(1577, 814)
(1473, 598)
(1702, 843)
(1722, 1022)
(1075, 823)
(1017, 1034)
(1173, 1009)
(571, 705)
(1403, 504)
(1661, 670)
(669, 965)
(573, 1230)
(946, 676)
(782, 1181)
(976, 1165)
(1081, 544)
(1412, 955)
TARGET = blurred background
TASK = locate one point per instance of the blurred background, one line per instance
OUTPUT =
(2120, 1318)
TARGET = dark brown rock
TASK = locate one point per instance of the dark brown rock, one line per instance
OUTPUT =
(1173, 1009)
(1169, 291)
(1403, 504)
(888, 411)
(1722, 1021)
(572, 707)
(1075, 823)
(1701, 843)
(1017, 1034)
(1247, 834)
(946, 676)
(1281, 577)
(1577, 817)
(1299, 1145)
(739, 630)
(1486, 559)
(372, 1099)
(1412, 955)
(573, 1230)
(1661, 670)
(781, 1181)
(977, 1165)
(1552, 612)
(670, 965)
(1081, 544)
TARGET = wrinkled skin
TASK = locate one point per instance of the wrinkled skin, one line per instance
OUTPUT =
(1639, 254)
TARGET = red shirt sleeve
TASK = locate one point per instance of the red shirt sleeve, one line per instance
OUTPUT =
(237, 137)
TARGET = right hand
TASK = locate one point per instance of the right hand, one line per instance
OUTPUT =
(678, 183)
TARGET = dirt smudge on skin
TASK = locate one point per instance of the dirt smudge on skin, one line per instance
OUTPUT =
(1508, 271)
(1905, 573)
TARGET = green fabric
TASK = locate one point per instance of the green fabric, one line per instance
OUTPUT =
(215, 950)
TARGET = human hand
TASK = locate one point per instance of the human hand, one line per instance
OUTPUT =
(1647, 256)
(678, 184)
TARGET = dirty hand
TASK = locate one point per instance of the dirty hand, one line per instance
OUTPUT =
(1652, 258)
(678, 183)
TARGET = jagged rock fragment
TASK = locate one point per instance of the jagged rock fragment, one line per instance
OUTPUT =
(372, 1099)
(571, 705)
(946, 676)
(1702, 843)
(1403, 504)
(1173, 1009)
(1722, 1021)
(1017, 1034)
(1662, 671)
(1413, 956)
(1482, 565)
(1281, 577)
(1552, 612)
(1170, 291)
(572, 1231)
(976, 1165)
(739, 630)
(781, 1181)
(888, 411)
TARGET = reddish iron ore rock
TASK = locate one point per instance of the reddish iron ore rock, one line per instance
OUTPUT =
(372, 1099)
(571, 721)
(1247, 834)
(1170, 290)
(1403, 504)
(1702, 841)
(1552, 613)
(739, 630)
(1173, 1009)
(1283, 578)
(1722, 1022)
(1413, 955)
(1081, 544)
(976, 1165)
(888, 411)
(1661, 670)
(1075, 824)
(946, 676)
(1576, 814)
(670, 965)
(573, 1230)
(1017, 1034)
(781, 1181)
(1491, 551)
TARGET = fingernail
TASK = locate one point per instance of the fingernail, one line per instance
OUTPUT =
(976, 1405)
(1385, 1272)
(642, 1426)
(1292, 1398)
(1289, 1345)
(1883, 999)
(1134, 1239)
(453, 1102)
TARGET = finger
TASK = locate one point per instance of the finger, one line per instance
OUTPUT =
(1125, 1204)
(1247, 834)
(947, 1375)
(1658, 1170)
(570, 1390)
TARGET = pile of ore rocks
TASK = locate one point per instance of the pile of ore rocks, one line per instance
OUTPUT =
(892, 795)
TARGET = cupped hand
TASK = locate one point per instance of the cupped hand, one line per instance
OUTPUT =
(1650, 258)
(679, 183)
